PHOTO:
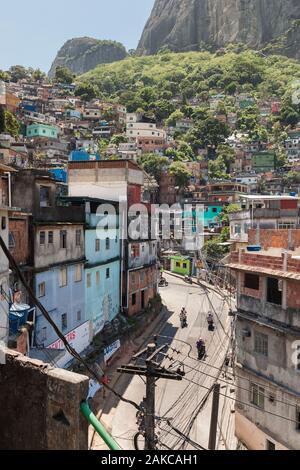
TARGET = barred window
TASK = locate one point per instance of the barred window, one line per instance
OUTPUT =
(261, 345)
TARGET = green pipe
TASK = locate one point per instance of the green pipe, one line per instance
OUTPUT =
(99, 428)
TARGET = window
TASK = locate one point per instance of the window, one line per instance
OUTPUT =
(11, 241)
(63, 277)
(45, 196)
(251, 281)
(298, 362)
(79, 315)
(261, 344)
(270, 445)
(274, 294)
(43, 336)
(98, 278)
(42, 238)
(63, 239)
(78, 273)
(133, 299)
(177, 264)
(298, 418)
(64, 321)
(78, 237)
(42, 289)
(107, 243)
(184, 265)
(215, 210)
(88, 280)
(107, 273)
(3, 223)
(50, 238)
(97, 244)
(237, 229)
(257, 396)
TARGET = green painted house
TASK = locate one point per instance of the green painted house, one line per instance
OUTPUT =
(263, 162)
(42, 130)
(181, 265)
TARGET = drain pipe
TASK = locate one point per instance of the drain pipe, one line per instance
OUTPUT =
(99, 428)
(9, 188)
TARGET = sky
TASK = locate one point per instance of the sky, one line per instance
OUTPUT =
(32, 31)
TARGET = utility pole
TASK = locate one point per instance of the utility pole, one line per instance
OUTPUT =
(152, 371)
(214, 418)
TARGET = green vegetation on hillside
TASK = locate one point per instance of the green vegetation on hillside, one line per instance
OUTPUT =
(153, 83)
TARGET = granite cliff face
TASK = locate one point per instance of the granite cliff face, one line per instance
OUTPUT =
(183, 25)
(83, 54)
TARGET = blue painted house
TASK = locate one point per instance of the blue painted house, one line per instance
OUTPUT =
(211, 215)
(102, 268)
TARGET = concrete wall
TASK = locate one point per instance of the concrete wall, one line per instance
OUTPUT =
(102, 298)
(51, 254)
(278, 365)
(142, 254)
(254, 426)
(59, 300)
(33, 398)
(252, 436)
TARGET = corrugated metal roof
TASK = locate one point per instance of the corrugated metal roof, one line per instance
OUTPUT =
(267, 271)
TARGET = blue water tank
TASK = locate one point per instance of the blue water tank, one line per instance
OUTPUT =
(253, 248)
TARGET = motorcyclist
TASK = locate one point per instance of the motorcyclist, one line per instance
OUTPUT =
(210, 318)
(183, 317)
(201, 348)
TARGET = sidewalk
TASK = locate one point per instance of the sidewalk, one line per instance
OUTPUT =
(104, 408)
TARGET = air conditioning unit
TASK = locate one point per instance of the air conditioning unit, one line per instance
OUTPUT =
(246, 333)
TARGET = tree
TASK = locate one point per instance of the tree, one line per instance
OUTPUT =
(227, 154)
(181, 173)
(289, 116)
(86, 91)
(64, 75)
(38, 75)
(212, 250)
(154, 164)
(18, 72)
(12, 126)
(2, 120)
(217, 169)
(4, 76)
(118, 139)
(231, 209)
(210, 132)
(174, 117)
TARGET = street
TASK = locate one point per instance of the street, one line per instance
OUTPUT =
(187, 403)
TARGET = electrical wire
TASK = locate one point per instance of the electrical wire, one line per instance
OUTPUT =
(60, 335)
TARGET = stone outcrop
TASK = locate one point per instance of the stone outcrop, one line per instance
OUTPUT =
(83, 54)
(183, 25)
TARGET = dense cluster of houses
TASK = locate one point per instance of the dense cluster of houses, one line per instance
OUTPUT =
(78, 267)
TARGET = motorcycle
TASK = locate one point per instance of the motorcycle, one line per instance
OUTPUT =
(183, 322)
(163, 282)
(211, 324)
(188, 279)
(201, 351)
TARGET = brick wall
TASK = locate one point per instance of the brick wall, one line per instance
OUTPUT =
(40, 406)
(285, 239)
(141, 280)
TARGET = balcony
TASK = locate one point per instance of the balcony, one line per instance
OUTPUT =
(270, 313)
